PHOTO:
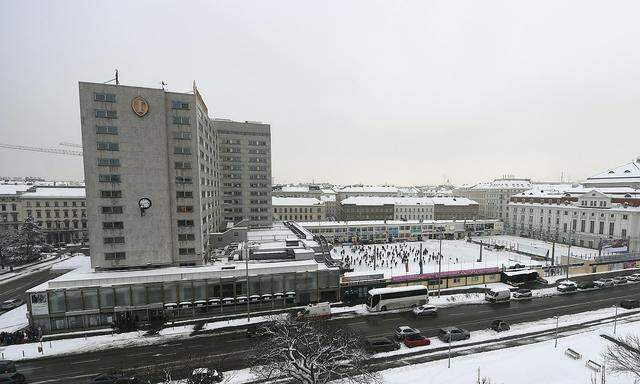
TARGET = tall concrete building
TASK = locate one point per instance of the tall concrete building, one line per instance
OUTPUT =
(152, 183)
(245, 172)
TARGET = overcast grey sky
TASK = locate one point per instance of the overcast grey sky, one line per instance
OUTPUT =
(407, 92)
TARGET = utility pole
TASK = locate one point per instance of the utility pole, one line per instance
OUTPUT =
(440, 265)
(246, 258)
(557, 321)
(569, 255)
(615, 319)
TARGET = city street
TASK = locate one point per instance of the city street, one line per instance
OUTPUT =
(232, 346)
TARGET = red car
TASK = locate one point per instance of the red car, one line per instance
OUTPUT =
(416, 340)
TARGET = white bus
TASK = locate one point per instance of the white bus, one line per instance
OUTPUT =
(383, 299)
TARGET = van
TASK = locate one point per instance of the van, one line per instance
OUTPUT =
(315, 312)
(498, 295)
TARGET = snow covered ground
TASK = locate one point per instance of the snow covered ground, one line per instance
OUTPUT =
(522, 243)
(515, 365)
(76, 261)
(14, 319)
(457, 255)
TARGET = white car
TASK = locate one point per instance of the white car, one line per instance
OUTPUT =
(425, 310)
(602, 283)
(634, 277)
(567, 286)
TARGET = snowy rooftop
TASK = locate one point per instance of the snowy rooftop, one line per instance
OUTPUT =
(629, 170)
(387, 222)
(504, 184)
(613, 208)
(368, 189)
(294, 201)
(54, 192)
(379, 200)
(580, 190)
(12, 189)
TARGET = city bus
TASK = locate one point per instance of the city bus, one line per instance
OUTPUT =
(383, 299)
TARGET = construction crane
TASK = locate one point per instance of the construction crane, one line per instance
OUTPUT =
(74, 145)
(45, 150)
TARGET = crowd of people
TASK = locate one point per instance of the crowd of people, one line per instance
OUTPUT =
(20, 337)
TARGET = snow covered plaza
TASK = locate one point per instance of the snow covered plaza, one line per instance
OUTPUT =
(398, 259)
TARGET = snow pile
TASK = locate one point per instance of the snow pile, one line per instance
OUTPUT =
(14, 320)
(78, 260)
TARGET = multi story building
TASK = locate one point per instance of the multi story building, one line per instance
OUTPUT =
(493, 197)
(59, 211)
(245, 163)
(407, 208)
(10, 218)
(150, 162)
(298, 209)
(627, 175)
(366, 208)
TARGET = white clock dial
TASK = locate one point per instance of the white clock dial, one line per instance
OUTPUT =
(144, 203)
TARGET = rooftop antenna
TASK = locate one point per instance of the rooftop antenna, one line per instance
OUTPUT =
(163, 84)
(114, 79)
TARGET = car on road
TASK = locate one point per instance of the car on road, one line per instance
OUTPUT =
(500, 325)
(416, 340)
(634, 277)
(586, 285)
(381, 344)
(404, 330)
(12, 378)
(453, 334)
(522, 293)
(425, 310)
(630, 304)
(567, 286)
(206, 376)
(619, 280)
(11, 304)
(107, 378)
(604, 283)
(259, 330)
(7, 366)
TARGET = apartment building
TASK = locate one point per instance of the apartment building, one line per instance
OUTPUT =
(245, 172)
(60, 212)
(10, 218)
(150, 162)
(298, 209)
(407, 208)
(493, 197)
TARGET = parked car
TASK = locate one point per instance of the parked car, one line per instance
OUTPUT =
(11, 304)
(630, 304)
(603, 283)
(416, 340)
(499, 326)
(634, 277)
(567, 286)
(425, 310)
(404, 330)
(12, 378)
(522, 293)
(7, 366)
(453, 334)
(206, 376)
(586, 285)
(317, 311)
(497, 295)
(106, 378)
(619, 280)
(381, 344)
(259, 330)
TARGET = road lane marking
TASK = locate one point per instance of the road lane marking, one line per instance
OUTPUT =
(141, 354)
(85, 361)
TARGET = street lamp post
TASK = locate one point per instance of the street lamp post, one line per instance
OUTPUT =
(615, 319)
(449, 362)
(440, 265)
(557, 321)
(246, 258)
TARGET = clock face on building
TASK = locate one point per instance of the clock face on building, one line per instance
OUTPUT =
(144, 203)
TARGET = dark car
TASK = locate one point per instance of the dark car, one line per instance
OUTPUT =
(453, 334)
(106, 378)
(586, 285)
(7, 366)
(499, 326)
(12, 378)
(11, 304)
(416, 340)
(630, 304)
(381, 344)
(259, 330)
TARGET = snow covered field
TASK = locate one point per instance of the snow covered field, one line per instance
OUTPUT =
(457, 255)
(522, 243)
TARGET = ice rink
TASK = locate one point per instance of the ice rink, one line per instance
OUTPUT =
(456, 255)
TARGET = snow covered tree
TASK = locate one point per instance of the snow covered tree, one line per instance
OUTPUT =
(310, 352)
(28, 242)
(7, 241)
(623, 356)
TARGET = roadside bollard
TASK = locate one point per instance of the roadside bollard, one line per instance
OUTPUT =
(49, 344)
(23, 353)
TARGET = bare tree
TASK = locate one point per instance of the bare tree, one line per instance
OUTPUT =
(310, 353)
(623, 356)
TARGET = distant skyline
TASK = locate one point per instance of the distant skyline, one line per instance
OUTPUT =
(369, 92)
